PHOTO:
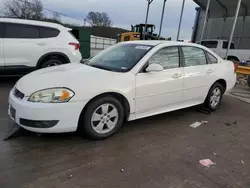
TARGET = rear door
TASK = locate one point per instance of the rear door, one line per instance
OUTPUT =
(22, 45)
(1, 45)
(198, 74)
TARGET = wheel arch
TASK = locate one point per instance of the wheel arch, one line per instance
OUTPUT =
(220, 81)
(223, 83)
(232, 57)
(116, 95)
(51, 55)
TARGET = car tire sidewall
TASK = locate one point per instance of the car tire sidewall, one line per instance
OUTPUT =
(208, 104)
(89, 112)
(51, 61)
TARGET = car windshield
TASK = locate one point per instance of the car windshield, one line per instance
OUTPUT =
(119, 58)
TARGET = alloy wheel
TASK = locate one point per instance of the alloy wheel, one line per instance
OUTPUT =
(104, 119)
(215, 97)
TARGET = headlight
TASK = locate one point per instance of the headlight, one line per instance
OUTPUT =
(53, 95)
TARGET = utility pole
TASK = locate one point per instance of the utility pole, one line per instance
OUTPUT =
(149, 2)
(162, 15)
(85, 20)
(25, 9)
(205, 21)
(179, 28)
(233, 28)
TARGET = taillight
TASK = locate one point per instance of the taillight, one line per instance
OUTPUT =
(76, 45)
(235, 67)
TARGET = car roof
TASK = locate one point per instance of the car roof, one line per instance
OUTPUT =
(157, 42)
(32, 22)
(170, 43)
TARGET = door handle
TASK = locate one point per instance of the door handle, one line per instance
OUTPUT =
(41, 44)
(210, 71)
(176, 75)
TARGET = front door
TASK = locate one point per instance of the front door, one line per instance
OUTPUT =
(157, 91)
(1, 45)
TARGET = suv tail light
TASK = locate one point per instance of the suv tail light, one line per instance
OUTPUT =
(235, 67)
(75, 44)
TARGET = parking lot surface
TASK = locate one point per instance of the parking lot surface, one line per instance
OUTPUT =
(160, 151)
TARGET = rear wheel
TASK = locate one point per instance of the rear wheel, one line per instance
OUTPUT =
(53, 60)
(51, 63)
(214, 97)
(102, 118)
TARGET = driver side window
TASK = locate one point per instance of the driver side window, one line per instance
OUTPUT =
(167, 57)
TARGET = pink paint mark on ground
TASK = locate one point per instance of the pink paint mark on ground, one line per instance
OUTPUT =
(206, 162)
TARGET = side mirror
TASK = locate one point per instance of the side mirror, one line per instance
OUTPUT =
(154, 68)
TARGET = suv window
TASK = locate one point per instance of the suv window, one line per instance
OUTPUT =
(209, 44)
(225, 45)
(167, 57)
(1, 30)
(21, 31)
(194, 56)
(46, 32)
(211, 59)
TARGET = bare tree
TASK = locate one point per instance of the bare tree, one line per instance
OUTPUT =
(56, 17)
(99, 19)
(32, 9)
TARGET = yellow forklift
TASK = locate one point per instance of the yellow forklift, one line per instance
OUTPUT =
(138, 33)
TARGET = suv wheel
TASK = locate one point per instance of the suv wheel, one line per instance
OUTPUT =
(102, 118)
(51, 62)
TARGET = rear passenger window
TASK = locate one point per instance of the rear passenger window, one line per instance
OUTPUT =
(46, 32)
(194, 56)
(211, 59)
(21, 31)
(1, 30)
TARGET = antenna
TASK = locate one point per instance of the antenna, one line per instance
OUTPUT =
(146, 22)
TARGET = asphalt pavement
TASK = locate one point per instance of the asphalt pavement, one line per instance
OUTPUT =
(160, 151)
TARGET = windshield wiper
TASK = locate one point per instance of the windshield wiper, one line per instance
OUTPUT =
(84, 61)
(101, 67)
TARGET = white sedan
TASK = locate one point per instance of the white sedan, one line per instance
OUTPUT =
(125, 82)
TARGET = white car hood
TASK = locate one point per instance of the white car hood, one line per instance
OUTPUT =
(76, 76)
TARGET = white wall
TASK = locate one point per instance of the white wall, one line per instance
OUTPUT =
(97, 44)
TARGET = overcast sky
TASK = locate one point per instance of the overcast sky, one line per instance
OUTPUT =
(126, 12)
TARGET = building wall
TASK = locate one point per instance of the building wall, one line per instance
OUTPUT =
(220, 28)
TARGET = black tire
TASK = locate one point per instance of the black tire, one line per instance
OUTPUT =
(85, 126)
(51, 62)
(208, 101)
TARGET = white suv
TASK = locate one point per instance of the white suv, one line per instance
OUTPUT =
(27, 45)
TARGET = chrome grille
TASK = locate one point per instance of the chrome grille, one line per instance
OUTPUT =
(18, 94)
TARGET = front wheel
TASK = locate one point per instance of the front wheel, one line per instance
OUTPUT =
(102, 118)
(214, 96)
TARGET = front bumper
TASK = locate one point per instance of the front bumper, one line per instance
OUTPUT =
(45, 117)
